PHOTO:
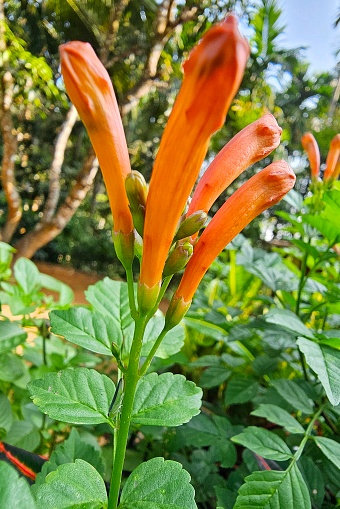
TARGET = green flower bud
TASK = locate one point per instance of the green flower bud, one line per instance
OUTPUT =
(178, 258)
(176, 311)
(147, 297)
(191, 225)
(136, 190)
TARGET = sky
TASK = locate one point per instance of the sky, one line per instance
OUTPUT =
(311, 23)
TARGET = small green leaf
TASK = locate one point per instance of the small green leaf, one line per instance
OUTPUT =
(88, 329)
(11, 335)
(289, 321)
(216, 375)
(158, 484)
(165, 400)
(325, 361)
(240, 390)
(66, 294)
(330, 448)
(206, 328)
(72, 486)
(12, 367)
(278, 415)
(14, 490)
(264, 443)
(203, 431)
(23, 434)
(79, 396)
(273, 489)
(27, 275)
(291, 392)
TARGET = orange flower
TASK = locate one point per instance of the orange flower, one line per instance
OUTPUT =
(90, 89)
(332, 158)
(253, 143)
(311, 147)
(263, 190)
(212, 75)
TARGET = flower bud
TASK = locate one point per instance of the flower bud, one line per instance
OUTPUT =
(136, 190)
(147, 297)
(178, 258)
(176, 311)
(191, 225)
(124, 246)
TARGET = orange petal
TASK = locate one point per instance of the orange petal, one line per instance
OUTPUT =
(332, 157)
(90, 89)
(263, 190)
(253, 143)
(311, 147)
(212, 75)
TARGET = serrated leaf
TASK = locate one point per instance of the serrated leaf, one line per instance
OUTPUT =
(88, 329)
(14, 490)
(172, 342)
(264, 443)
(330, 448)
(274, 489)
(291, 392)
(158, 484)
(27, 275)
(11, 335)
(72, 486)
(78, 396)
(23, 434)
(325, 361)
(216, 375)
(289, 321)
(278, 415)
(165, 400)
(240, 390)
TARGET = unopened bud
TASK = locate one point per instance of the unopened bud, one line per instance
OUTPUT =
(147, 297)
(124, 246)
(136, 190)
(191, 225)
(176, 311)
(178, 258)
(138, 246)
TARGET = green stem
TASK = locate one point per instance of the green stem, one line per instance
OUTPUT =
(131, 293)
(301, 283)
(131, 380)
(307, 434)
(161, 295)
(152, 352)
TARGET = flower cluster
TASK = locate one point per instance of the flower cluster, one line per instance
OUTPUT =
(212, 76)
(332, 169)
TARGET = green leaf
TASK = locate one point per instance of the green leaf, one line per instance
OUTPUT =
(171, 344)
(27, 275)
(165, 400)
(240, 390)
(87, 329)
(12, 367)
(158, 484)
(264, 443)
(23, 434)
(67, 452)
(325, 361)
(278, 415)
(329, 228)
(11, 335)
(79, 396)
(72, 486)
(289, 321)
(314, 479)
(14, 490)
(203, 431)
(6, 415)
(216, 375)
(330, 448)
(291, 392)
(206, 328)
(66, 294)
(272, 489)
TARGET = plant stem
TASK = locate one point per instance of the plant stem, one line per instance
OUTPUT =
(131, 380)
(131, 292)
(307, 434)
(152, 352)
(301, 283)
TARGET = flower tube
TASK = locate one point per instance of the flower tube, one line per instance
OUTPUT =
(263, 190)
(253, 143)
(90, 89)
(212, 75)
(311, 147)
(332, 158)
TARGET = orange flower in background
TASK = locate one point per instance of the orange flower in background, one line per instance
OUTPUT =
(311, 147)
(253, 143)
(263, 190)
(90, 89)
(212, 76)
(332, 159)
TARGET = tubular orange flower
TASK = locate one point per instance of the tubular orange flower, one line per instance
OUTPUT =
(90, 89)
(263, 190)
(212, 75)
(311, 147)
(332, 158)
(253, 143)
